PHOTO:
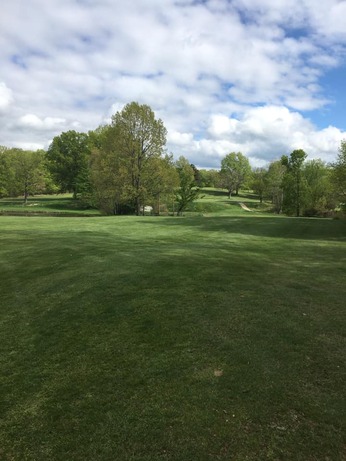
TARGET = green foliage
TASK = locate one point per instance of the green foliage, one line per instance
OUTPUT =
(318, 197)
(235, 171)
(293, 184)
(68, 161)
(196, 175)
(209, 178)
(109, 178)
(97, 137)
(187, 192)
(274, 183)
(339, 175)
(259, 182)
(139, 138)
(26, 172)
(162, 182)
(128, 167)
(5, 172)
(307, 187)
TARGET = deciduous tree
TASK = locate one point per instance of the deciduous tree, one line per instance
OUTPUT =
(187, 192)
(339, 174)
(235, 170)
(259, 182)
(274, 184)
(27, 172)
(319, 197)
(68, 157)
(138, 138)
(209, 178)
(162, 182)
(293, 183)
(5, 172)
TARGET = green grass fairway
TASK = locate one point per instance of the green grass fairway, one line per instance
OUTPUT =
(164, 338)
(57, 205)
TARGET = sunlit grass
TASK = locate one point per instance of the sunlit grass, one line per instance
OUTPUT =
(164, 338)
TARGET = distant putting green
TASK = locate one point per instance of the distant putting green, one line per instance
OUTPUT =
(164, 338)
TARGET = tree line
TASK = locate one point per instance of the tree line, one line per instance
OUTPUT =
(123, 167)
(293, 185)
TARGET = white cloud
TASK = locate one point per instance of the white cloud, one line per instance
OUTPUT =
(222, 75)
(263, 134)
(221, 125)
(48, 123)
(180, 139)
(29, 145)
(6, 97)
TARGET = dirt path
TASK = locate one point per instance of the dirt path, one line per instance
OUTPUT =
(244, 207)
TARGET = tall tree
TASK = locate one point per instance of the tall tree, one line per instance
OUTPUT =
(5, 172)
(235, 171)
(162, 182)
(319, 197)
(339, 174)
(68, 157)
(196, 174)
(274, 184)
(138, 138)
(109, 178)
(259, 182)
(209, 178)
(293, 191)
(187, 192)
(27, 172)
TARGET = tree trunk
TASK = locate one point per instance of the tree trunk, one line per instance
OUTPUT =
(26, 194)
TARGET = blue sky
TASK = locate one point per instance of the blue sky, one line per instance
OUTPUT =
(334, 84)
(262, 77)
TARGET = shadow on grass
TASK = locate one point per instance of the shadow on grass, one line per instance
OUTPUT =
(272, 227)
(215, 193)
(62, 204)
(116, 329)
(45, 205)
(248, 196)
(223, 193)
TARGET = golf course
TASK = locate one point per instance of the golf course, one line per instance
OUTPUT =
(217, 335)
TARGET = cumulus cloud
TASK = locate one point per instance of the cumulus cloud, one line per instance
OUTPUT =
(263, 134)
(180, 139)
(30, 145)
(221, 75)
(6, 97)
(48, 123)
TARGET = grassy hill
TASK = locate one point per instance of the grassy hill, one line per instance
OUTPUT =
(216, 202)
(214, 337)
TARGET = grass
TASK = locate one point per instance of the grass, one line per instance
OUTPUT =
(57, 205)
(215, 202)
(217, 337)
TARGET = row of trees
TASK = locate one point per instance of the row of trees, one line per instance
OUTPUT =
(293, 185)
(24, 173)
(120, 168)
(123, 167)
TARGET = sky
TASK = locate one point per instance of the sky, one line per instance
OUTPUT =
(261, 77)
